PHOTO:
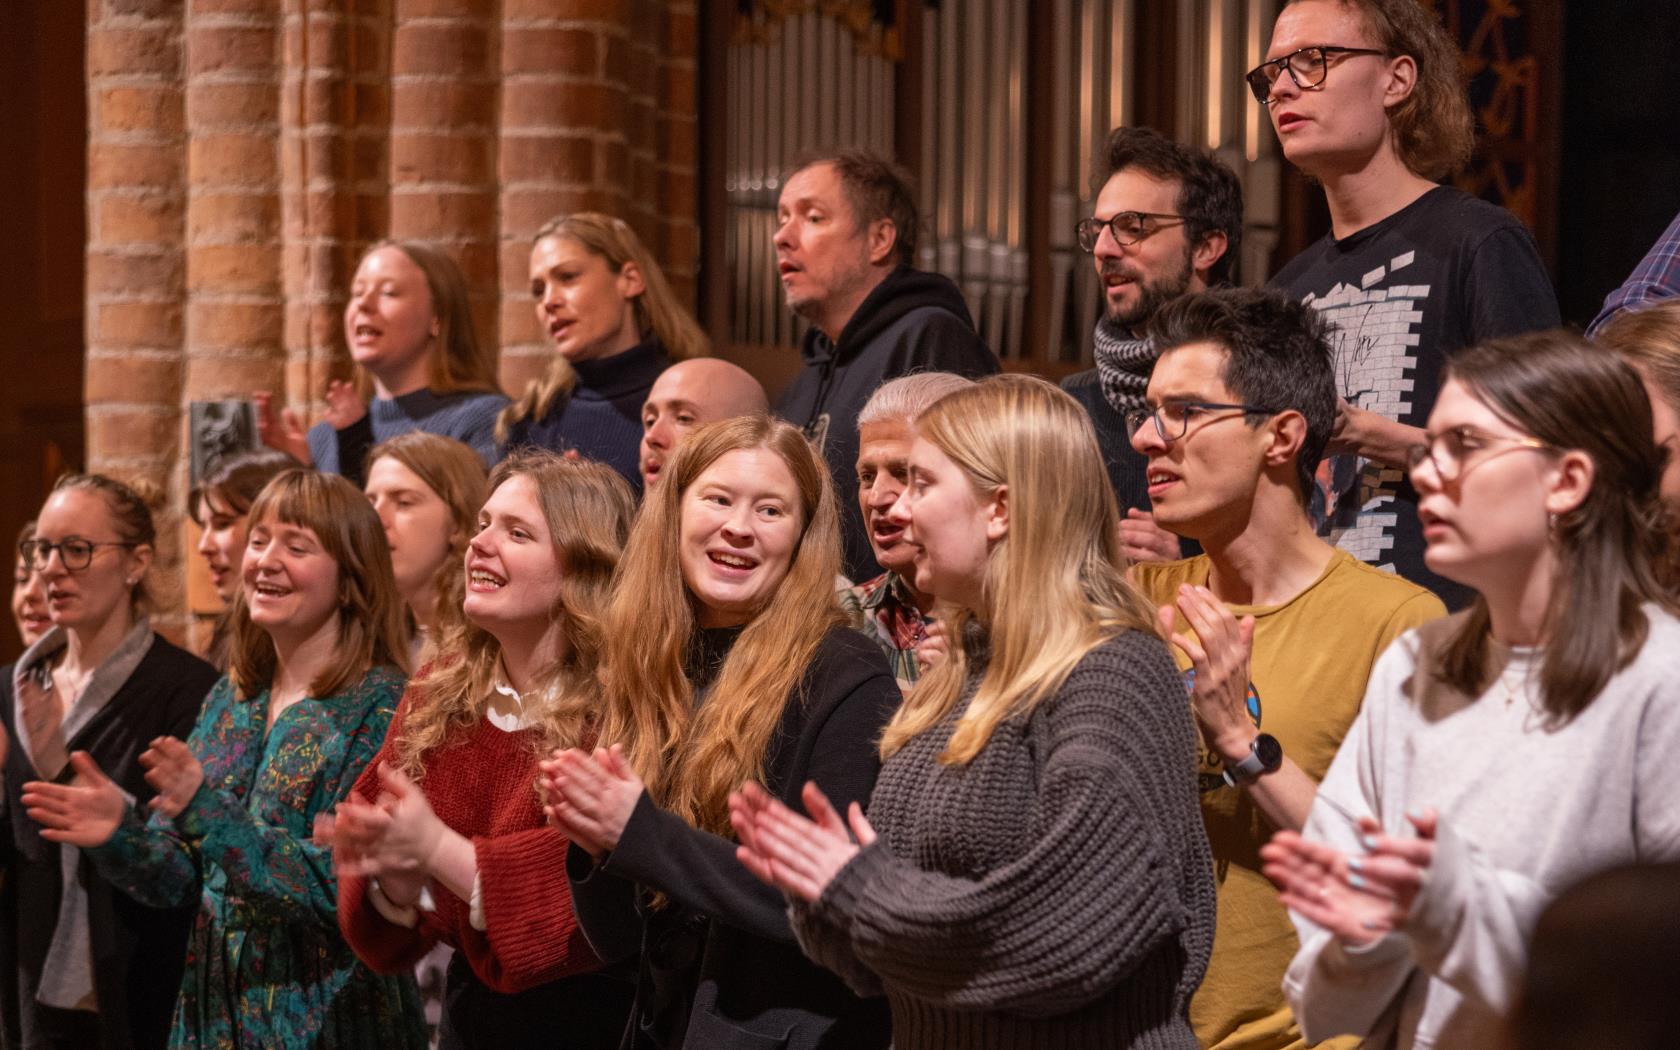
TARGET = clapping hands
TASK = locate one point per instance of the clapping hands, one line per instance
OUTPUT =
(798, 856)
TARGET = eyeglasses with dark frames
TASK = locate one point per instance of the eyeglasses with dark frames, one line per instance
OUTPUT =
(1453, 452)
(1126, 227)
(75, 552)
(1307, 67)
(1172, 417)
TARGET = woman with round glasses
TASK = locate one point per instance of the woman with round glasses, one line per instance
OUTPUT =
(1507, 751)
(87, 964)
(1367, 98)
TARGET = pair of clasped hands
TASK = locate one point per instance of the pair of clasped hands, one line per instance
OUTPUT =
(86, 811)
(588, 797)
(1358, 898)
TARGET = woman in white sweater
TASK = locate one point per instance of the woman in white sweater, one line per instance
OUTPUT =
(1507, 751)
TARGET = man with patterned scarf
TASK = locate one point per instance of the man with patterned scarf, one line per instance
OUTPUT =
(1168, 220)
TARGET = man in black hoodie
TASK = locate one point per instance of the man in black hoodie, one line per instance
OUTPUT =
(845, 240)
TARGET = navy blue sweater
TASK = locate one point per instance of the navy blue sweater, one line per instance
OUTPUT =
(603, 417)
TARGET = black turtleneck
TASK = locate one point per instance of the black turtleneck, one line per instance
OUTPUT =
(603, 417)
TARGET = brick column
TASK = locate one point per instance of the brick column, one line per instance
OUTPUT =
(334, 115)
(562, 147)
(443, 128)
(678, 154)
(135, 267)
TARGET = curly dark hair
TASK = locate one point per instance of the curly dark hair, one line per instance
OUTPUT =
(1209, 195)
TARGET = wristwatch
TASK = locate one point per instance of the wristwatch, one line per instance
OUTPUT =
(1265, 755)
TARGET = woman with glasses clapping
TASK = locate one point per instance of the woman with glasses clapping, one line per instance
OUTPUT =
(1505, 752)
(88, 964)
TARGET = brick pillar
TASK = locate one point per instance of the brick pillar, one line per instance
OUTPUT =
(335, 109)
(562, 146)
(135, 267)
(678, 153)
(443, 133)
(234, 307)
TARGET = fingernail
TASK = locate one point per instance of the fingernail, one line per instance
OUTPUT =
(1368, 843)
(1371, 924)
(1356, 880)
(1355, 864)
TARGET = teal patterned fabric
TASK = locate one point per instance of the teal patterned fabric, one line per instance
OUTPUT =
(266, 965)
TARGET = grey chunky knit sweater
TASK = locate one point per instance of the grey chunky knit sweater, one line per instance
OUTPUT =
(1056, 892)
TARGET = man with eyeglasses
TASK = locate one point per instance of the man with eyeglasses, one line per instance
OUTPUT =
(1168, 220)
(1276, 629)
(1367, 100)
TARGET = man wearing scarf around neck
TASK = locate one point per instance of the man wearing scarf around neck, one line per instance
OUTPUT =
(1168, 221)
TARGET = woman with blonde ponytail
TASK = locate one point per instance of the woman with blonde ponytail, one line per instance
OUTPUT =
(1033, 870)
(726, 659)
(615, 325)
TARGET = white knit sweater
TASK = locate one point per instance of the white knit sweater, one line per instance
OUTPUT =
(1525, 812)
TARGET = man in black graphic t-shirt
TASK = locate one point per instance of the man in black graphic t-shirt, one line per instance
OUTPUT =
(1366, 98)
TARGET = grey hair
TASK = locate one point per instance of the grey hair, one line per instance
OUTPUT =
(905, 398)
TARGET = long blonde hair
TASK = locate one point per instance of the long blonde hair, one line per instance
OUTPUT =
(691, 760)
(587, 508)
(1054, 586)
(657, 311)
(456, 474)
(456, 362)
(372, 628)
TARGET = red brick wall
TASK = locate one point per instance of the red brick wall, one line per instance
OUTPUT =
(242, 153)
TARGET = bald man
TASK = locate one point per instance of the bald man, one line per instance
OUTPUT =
(688, 394)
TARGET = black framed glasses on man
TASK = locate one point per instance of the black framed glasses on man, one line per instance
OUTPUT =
(1126, 227)
(75, 552)
(1307, 67)
(1173, 416)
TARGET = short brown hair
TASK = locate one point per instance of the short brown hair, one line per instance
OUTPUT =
(876, 188)
(1434, 131)
(1650, 338)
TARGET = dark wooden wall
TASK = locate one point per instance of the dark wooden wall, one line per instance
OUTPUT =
(43, 125)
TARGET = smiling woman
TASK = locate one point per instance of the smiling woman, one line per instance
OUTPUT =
(726, 659)
(315, 668)
(447, 812)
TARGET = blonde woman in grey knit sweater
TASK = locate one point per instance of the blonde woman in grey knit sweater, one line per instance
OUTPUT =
(1506, 752)
(1033, 870)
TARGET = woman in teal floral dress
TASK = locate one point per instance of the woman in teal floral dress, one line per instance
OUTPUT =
(314, 676)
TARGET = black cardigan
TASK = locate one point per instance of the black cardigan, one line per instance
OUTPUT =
(755, 990)
(137, 951)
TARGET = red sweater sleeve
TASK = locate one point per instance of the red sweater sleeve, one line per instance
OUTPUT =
(532, 935)
(382, 944)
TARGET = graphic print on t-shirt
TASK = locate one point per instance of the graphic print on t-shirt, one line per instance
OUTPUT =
(1376, 345)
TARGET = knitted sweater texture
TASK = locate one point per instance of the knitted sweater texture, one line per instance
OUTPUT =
(1055, 892)
(481, 785)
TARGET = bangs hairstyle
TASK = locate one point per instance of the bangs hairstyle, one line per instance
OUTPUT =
(131, 507)
(1434, 131)
(456, 362)
(1054, 586)
(691, 760)
(237, 479)
(658, 312)
(1209, 194)
(876, 189)
(1556, 387)
(587, 508)
(455, 473)
(372, 631)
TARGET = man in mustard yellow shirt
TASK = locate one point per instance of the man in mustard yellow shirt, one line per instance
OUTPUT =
(1276, 629)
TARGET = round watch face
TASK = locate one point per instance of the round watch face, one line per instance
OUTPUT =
(1269, 751)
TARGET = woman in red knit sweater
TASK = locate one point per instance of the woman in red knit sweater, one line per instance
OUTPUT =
(444, 837)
